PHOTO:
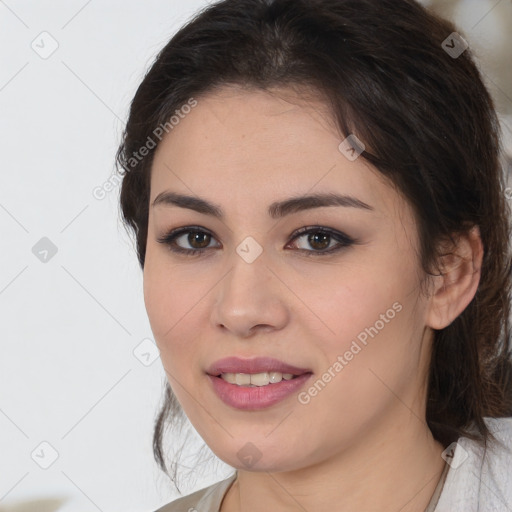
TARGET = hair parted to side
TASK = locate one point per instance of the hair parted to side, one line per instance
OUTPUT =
(429, 126)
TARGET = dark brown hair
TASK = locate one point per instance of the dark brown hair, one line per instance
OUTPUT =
(428, 124)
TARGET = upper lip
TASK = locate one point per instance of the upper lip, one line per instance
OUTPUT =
(253, 365)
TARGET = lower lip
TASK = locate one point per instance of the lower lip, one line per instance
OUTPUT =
(258, 397)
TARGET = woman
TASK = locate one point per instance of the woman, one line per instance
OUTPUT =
(321, 220)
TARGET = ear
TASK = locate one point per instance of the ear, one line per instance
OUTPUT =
(455, 288)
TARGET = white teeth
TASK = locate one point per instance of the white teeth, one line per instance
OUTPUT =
(242, 379)
(256, 379)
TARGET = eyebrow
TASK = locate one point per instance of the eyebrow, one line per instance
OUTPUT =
(275, 210)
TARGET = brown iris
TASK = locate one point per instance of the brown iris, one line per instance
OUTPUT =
(315, 238)
(196, 236)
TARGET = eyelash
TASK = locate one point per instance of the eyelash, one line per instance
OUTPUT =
(343, 240)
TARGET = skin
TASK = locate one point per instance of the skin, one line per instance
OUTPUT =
(366, 429)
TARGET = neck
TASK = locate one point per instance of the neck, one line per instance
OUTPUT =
(395, 467)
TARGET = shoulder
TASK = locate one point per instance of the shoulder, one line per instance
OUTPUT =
(498, 453)
(207, 499)
(479, 476)
(501, 428)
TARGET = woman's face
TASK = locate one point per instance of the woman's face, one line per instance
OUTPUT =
(350, 313)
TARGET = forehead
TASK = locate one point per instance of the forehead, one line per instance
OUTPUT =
(254, 145)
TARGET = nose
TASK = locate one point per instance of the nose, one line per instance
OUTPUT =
(251, 298)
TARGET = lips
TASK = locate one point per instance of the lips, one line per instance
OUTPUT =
(254, 365)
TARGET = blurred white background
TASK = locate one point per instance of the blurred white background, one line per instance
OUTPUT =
(76, 345)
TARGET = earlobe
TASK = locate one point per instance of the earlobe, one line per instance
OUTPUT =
(460, 275)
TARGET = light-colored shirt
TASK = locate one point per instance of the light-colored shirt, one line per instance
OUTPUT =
(477, 480)
(208, 499)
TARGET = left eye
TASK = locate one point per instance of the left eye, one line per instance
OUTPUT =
(320, 239)
(317, 237)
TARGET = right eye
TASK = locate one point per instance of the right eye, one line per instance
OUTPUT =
(195, 236)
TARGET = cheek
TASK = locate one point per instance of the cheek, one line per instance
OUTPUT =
(380, 350)
(350, 302)
(372, 360)
(368, 317)
(174, 301)
(165, 300)
(159, 304)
